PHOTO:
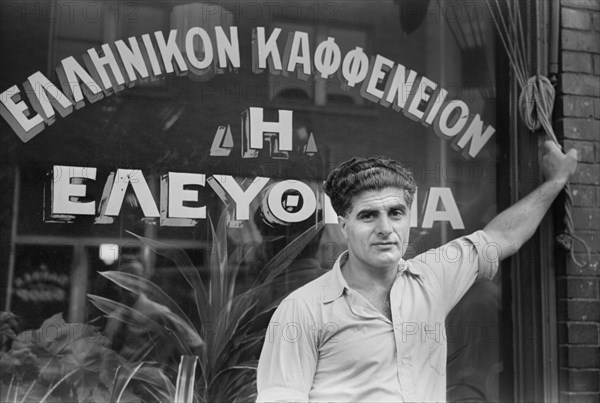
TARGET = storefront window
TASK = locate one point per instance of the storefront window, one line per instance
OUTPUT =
(168, 126)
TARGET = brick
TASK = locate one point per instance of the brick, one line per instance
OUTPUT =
(577, 288)
(576, 19)
(585, 218)
(582, 288)
(587, 4)
(586, 150)
(596, 60)
(591, 269)
(562, 310)
(584, 311)
(580, 84)
(563, 354)
(585, 41)
(583, 333)
(577, 62)
(578, 397)
(585, 196)
(584, 381)
(584, 357)
(579, 129)
(563, 329)
(563, 378)
(586, 174)
(561, 288)
(590, 238)
(579, 107)
(596, 21)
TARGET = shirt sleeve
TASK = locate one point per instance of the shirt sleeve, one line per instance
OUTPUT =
(459, 263)
(288, 359)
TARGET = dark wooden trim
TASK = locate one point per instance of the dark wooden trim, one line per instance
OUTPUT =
(549, 319)
(533, 268)
(504, 182)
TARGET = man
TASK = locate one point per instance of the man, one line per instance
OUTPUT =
(372, 328)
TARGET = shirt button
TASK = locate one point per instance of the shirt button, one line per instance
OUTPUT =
(404, 361)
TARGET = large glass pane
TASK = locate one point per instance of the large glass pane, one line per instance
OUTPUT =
(194, 178)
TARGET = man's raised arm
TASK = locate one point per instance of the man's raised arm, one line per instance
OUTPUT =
(515, 225)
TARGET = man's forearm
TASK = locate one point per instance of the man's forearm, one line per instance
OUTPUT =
(514, 226)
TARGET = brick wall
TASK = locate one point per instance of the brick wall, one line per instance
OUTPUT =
(579, 124)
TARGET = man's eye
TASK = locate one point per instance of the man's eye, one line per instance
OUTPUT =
(366, 216)
(397, 213)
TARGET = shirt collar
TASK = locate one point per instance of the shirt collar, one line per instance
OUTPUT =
(337, 283)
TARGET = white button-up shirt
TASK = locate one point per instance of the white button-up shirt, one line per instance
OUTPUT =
(326, 342)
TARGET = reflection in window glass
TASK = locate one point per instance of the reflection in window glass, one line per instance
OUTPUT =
(182, 125)
(42, 283)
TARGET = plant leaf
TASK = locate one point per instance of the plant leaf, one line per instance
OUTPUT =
(123, 376)
(138, 284)
(134, 317)
(227, 331)
(217, 267)
(182, 261)
(156, 382)
(282, 260)
(61, 380)
(250, 365)
(184, 388)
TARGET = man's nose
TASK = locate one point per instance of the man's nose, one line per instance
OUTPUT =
(384, 226)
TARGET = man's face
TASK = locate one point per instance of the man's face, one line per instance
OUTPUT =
(377, 227)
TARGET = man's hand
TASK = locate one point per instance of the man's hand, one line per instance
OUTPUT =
(510, 229)
(558, 167)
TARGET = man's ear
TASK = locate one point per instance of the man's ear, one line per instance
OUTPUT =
(342, 222)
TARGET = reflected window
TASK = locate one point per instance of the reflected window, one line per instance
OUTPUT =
(288, 88)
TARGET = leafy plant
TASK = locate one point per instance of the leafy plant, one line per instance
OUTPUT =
(231, 327)
(8, 326)
(72, 362)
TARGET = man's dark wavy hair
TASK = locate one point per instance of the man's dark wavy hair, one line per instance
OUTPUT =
(363, 174)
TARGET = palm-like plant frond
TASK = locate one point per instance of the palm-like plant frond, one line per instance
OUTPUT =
(231, 327)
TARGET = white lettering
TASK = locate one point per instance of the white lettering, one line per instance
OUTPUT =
(63, 190)
(450, 212)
